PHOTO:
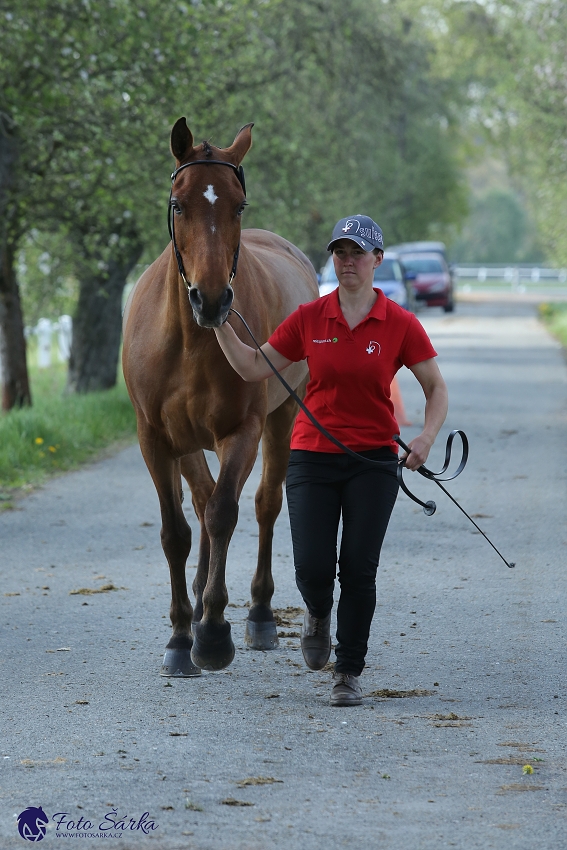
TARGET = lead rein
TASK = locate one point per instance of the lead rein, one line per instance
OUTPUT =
(430, 507)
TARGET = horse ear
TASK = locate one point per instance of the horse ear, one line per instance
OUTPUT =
(181, 140)
(241, 145)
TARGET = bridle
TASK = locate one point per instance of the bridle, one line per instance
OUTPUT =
(239, 171)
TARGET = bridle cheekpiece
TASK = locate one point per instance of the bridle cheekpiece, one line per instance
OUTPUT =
(239, 171)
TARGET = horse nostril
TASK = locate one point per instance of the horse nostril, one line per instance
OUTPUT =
(227, 299)
(195, 299)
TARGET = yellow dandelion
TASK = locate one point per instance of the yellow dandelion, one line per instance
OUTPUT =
(52, 449)
(38, 441)
(527, 768)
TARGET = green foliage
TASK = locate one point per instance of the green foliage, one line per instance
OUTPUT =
(497, 231)
(352, 120)
(46, 272)
(349, 117)
(508, 56)
(555, 317)
(59, 431)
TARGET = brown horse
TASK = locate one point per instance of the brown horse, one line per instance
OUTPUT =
(188, 398)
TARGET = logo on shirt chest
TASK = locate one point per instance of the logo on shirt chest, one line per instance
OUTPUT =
(334, 339)
(373, 346)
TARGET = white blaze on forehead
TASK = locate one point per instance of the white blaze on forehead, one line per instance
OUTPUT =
(210, 194)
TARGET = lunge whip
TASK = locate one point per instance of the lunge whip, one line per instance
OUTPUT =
(430, 507)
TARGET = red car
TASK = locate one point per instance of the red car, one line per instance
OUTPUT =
(430, 278)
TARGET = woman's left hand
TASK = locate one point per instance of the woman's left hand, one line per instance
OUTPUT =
(420, 447)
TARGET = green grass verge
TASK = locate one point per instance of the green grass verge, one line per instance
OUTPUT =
(59, 431)
(554, 315)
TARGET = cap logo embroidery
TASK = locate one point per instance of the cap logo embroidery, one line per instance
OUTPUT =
(349, 226)
(372, 346)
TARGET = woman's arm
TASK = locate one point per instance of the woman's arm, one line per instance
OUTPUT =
(247, 361)
(436, 404)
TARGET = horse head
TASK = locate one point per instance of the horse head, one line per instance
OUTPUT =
(207, 202)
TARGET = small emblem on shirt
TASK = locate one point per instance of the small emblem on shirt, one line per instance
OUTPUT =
(372, 346)
(323, 340)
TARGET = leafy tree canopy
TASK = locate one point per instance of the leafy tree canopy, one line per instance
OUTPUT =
(510, 59)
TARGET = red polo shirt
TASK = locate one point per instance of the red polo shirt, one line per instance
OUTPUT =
(350, 370)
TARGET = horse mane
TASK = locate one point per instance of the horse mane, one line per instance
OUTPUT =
(207, 149)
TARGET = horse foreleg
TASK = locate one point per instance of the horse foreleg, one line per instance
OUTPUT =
(196, 472)
(213, 648)
(261, 631)
(176, 543)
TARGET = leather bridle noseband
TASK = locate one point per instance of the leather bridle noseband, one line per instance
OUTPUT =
(239, 171)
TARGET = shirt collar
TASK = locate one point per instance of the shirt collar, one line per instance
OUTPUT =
(333, 308)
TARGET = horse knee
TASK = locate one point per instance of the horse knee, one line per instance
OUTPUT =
(221, 516)
(176, 540)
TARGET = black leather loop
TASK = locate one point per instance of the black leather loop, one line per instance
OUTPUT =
(430, 507)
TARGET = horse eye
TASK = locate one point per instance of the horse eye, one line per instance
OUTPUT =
(241, 208)
(176, 207)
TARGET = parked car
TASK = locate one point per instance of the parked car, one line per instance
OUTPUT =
(390, 277)
(436, 249)
(431, 279)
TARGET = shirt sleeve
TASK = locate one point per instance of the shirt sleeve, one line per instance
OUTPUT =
(288, 338)
(416, 345)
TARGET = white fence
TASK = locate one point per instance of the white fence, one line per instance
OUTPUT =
(44, 331)
(518, 277)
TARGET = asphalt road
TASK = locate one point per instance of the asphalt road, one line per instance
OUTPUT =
(253, 757)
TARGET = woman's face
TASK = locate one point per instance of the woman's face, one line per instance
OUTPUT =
(354, 266)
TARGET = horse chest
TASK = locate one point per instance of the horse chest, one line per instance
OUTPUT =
(201, 414)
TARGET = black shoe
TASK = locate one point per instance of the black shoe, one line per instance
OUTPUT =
(316, 641)
(346, 690)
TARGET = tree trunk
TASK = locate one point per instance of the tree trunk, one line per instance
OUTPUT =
(97, 327)
(13, 365)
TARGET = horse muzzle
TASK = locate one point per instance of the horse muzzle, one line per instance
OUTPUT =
(208, 312)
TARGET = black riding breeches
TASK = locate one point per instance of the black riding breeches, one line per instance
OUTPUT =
(321, 488)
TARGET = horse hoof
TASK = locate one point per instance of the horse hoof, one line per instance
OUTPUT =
(261, 635)
(177, 663)
(213, 648)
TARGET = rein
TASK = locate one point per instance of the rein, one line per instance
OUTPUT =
(430, 507)
(239, 171)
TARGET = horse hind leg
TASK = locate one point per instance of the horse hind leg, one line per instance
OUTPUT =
(195, 470)
(261, 631)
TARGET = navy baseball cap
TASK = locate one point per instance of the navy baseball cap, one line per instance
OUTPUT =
(360, 229)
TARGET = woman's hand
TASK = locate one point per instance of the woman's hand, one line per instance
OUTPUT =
(420, 447)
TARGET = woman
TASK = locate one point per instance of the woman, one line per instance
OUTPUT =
(355, 340)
